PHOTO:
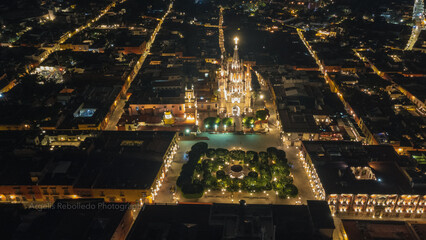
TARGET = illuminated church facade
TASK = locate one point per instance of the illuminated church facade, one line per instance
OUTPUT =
(234, 86)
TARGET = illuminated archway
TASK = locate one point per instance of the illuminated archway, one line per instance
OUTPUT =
(236, 111)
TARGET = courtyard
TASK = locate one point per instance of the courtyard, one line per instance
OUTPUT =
(245, 142)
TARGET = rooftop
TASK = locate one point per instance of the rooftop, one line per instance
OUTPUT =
(109, 159)
(366, 230)
(333, 161)
(67, 219)
(297, 122)
(232, 221)
(125, 160)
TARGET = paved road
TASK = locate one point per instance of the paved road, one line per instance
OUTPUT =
(221, 38)
(116, 115)
(339, 232)
(299, 175)
(65, 37)
(118, 110)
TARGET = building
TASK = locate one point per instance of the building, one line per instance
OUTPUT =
(190, 104)
(233, 221)
(115, 166)
(67, 219)
(361, 179)
(126, 167)
(395, 230)
(87, 89)
(169, 108)
(234, 86)
(307, 111)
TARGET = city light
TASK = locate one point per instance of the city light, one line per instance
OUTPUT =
(271, 100)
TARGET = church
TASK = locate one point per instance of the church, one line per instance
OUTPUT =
(234, 86)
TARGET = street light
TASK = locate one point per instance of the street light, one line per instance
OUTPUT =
(215, 127)
(261, 96)
(187, 131)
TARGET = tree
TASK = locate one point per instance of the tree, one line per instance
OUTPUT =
(237, 155)
(262, 115)
(265, 173)
(207, 165)
(281, 156)
(250, 155)
(187, 171)
(182, 180)
(263, 157)
(210, 153)
(253, 175)
(248, 122)
(220, 174)
(277, 185)
(199, 168)
(228, 122)
(264, 176)
(233, 186)
(194, 157)
(200, 147)
(192, 190)
(282, 193)
(211, 122)
(209, 180)
(279, 170)
(250, 183)
(285, 171)
(286, 180)
(291, 190)
(185, 175)
(272, 153)
(221, 152)
(217, 163)
(220, 161)
(268, 186)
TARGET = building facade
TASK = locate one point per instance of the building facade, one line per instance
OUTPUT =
(234, 86)
(360, 180)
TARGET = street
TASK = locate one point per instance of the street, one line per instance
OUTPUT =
(118, 109)
(56, 46)
(116, 115)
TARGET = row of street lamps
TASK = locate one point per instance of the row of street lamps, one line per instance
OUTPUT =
(173, 150)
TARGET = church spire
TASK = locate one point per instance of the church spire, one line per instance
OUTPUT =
(235, 58)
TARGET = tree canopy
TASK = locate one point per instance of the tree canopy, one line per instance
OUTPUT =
(211, 122)
(207, 169)
(262, 115)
